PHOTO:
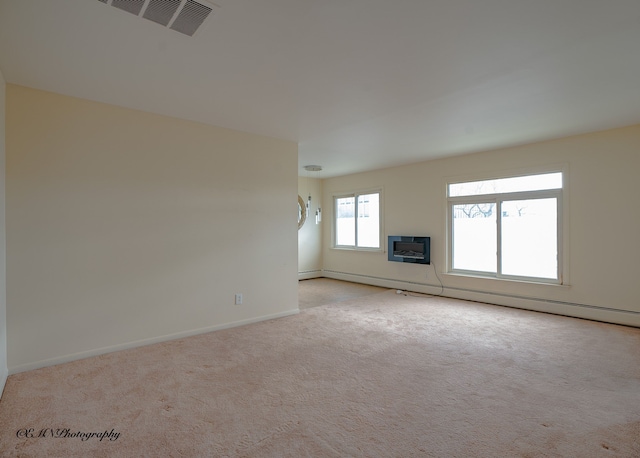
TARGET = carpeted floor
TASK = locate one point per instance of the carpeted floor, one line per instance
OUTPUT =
(381, 375)
(323, 291)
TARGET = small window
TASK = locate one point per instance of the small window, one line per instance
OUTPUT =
(357, 221)
(507, 227)
(507, 185)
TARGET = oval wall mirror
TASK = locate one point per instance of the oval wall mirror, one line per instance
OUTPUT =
(302, 212)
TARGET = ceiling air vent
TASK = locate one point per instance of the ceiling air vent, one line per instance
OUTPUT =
(131, 6)
(184, 16)
(190, 17)
(161, 11)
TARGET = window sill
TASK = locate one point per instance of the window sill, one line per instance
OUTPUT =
(359, 250)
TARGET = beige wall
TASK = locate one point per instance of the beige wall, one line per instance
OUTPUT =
(3, 285)
(125, 228)
(601, 230)
(310, 234)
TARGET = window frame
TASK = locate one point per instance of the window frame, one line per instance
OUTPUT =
(356, 195)
(498, 199)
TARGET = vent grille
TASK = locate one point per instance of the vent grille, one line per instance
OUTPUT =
(161, 11)
(191, 17)
(131, 6)
(184, 16)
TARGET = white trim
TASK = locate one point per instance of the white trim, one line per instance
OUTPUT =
(144, 342)
(360, 250)
(570, 309)
(3, 380)
(425, 288)
(499, 238)
(309, 274)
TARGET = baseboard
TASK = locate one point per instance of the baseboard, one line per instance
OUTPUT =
(3, 380)
(143, 342)
(575, 310)
(309, 274)
(424, 288)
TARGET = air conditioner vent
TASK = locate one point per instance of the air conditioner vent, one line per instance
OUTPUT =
(131, 6)
(184, 16)
(191, 17)
(161, 11)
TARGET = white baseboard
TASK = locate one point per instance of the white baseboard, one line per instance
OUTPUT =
(143, 342)
(589, 312)
(3, 380)
(384, 282)
(309, 274)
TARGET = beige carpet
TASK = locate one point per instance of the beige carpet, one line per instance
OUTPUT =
(382, 375)
(323, 291)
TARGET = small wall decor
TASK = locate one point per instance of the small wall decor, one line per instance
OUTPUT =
(302, 212)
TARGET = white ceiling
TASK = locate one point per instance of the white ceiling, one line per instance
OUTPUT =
(358, 84)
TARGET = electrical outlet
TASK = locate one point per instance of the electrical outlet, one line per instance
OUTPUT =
(238, 298)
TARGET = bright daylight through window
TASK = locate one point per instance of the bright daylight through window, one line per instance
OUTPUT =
(357, 221)
(507, 227)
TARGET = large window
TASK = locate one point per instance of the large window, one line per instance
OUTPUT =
(507, 227)
(357, 220)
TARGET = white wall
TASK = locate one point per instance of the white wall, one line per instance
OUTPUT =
(3, 284)
(310, 234)
(601, 231)
(126, 228)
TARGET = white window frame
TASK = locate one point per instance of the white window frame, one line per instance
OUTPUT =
(498, 199)
(355, 195)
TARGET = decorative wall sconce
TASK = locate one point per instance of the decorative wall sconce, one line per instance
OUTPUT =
(314, 168)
